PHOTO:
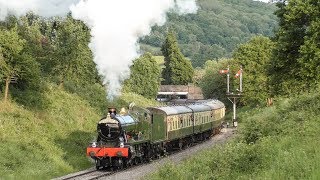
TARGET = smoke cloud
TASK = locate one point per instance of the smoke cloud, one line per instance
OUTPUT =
(115, 27)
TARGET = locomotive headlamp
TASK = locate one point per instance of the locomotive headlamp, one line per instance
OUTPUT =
(121, 144)
(94, 144)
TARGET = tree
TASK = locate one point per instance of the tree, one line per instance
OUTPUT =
(72, 57)
(296, 57)
(178, 70)
(213, 84)
(255, 57)
(10, 47)
(145, 77)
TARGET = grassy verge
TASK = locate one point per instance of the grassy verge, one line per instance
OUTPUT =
(279, 142)
(45, 144)
(52, 142)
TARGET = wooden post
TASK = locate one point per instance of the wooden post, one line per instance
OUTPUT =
(6, 92)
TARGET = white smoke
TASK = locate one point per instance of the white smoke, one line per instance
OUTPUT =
(115, 27)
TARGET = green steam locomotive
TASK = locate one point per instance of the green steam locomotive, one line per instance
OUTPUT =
(143, 134)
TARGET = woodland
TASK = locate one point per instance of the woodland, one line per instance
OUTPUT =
(216, 30)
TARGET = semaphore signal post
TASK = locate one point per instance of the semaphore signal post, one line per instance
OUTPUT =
(233, 96)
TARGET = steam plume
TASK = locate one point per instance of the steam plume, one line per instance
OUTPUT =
(116, 26)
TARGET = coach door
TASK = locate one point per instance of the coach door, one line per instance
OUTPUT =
(158, 127)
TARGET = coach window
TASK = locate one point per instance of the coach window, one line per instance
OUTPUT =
(177, 124)
(188, 120)
(174, 125)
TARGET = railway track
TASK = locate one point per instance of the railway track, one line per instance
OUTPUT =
(85, 175)
(92, 173)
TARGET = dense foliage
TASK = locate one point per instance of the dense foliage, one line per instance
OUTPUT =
(214, 84)
(296, 58)
(216, 30)
(72, 57)
(255, 57)
(145, 77)
(34, 50)
(178, 70)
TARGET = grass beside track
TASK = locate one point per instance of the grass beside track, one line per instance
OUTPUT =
(46, 144)
(278, 142)
(43, 144)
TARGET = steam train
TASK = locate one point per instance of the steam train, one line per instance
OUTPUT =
(143, 134)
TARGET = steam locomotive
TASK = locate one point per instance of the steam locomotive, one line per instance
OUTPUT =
(143, 134)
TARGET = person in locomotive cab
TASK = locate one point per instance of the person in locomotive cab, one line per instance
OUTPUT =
(112, 115)
(122, 111)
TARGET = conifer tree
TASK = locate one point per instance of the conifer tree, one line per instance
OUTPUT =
(178, 70)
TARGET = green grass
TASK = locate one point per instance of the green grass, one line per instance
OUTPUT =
(279, 142)
(45, 144)
(52, 142)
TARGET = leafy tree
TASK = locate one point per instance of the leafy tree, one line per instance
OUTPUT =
(11, 45)
(254, 57)
(310, 51)
(145, 77)
(19, 63)
(296, 58)
(72, 57)
(214, 84)
(178, 70)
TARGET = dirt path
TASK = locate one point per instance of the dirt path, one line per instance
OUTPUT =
(143, 170)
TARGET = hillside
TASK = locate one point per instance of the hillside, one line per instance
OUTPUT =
(216, 30)
(48, 143)
(278, 142)
(42, 144)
